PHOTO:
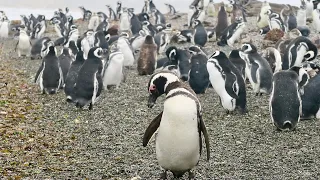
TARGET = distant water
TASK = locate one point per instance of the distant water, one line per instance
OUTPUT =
(14, 13)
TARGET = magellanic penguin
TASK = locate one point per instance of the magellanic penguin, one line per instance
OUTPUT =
(4, 27)
(238, 62)
(298, 51)
(39, 28)
(89, 83)
(124, 45)
(72, 76)
(263, 18)
(311, 68)
(316, 19)
(285, 102)
(192, 14)
(232, 33)
(104, 24)
(137, 40)
(136, 25)
(228, 82)
(147, 61)
(119, 9)
(273, 56)
(59, 27)
(86, 13)
(111, 14)
(198, 74)
(94, 22)
(181, 113)
(258, 69)
(159, 17)
(302, 15)
(275, 21)
(125, 25)
(113, 74)
(200, 36)
(162, 39)
(171, 9)
(38, 47)
(290, 20)
(49, 75)
(222, 23)
(311, 99)
(309, 9)
(24, 44)
(65, 60)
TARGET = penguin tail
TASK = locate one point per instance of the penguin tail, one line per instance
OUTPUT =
(52, 91)
(287, 125)
(69, 99)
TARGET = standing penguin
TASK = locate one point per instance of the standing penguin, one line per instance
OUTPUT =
(147, 61)
(179, 125)
(238, 62)
(72, 76)
(311, 99)
(93, 22)
(162, 39)
(89, 82)
(302, 15)
(171, 9)
(38, 47)
(192, 13)
(258, 69)
(222, 23)
(227, 82)
(198, 74)
(200, 36)
(309, 9)
(159, 17)
(112, 15)
(24, 44)
(211, 9)
(298, 51)
(125, 47)
(232, 33)
(4, 27)
(285, 102)
(275, 21)
(49, 75)
(263, 18)
(316, 19)
(113, 74)
(65, 61)
(273, 57)
(119, 9)
(125, 25)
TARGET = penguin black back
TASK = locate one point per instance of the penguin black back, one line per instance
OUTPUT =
(238, 62)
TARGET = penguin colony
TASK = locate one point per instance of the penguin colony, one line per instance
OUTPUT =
(97, 59)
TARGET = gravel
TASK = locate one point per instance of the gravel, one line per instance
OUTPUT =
(106, 143)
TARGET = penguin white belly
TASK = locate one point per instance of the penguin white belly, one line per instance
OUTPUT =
(4, 29)
(124, 23)
(43, 29)
(85, 47)
(114, 72)
(202, 16)
(248, 74)
(300, 56)
(235, 36)
(274, 24)
(24, 46)
(316, 21)
(137, 43)
(309, 9)
(263, 19)
(301, 18)
(128, 56)
(177, 141)
(93, 23)
(58, 31)
(318, 114)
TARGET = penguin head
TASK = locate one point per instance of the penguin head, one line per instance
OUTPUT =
(194, 50)
(149, 39)
(172, 53)
(119, 3)
(66, 51)
(145, 23)
(248, 48)
(158, 85)
(196, 23)
(218, 55)
(234, 54)
(261, 31)
(96, 52)
(124, 34)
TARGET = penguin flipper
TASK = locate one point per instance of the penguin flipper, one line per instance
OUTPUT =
(203, 129)
(36, 79)
(254, 69)
(153, 126)
(15, 49)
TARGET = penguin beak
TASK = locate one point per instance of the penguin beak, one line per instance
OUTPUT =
(152, 100)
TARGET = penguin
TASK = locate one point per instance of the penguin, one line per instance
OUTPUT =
(304, 30)
(263, 18)
(39, 28)
(49, 75)
(124, 25)
(25, 21)
(200, 36)
(275, 21)
(149, 28)
(104, 24)
(143, 17)
(137, 41)
(124, 46)
(24, 44)
(298, 51)
(310, 99)
(198, 74)
(232, 33)
(211, 9)
(38, 47)
(33, 21)
(303, 77)
(101, 39)
(85, 13)
(273, 57)
(312, 69)
(89, 83)
(171, 59)
(112, 15)
(316, 19)
(309, 9)
(285, 102)
(172, 138)
(291, 19)
(201, 15)
(113, 74)
(185, 35)
(228, 82)
(264, 30)
(73, 35)
(119, 9)
(258, 69)
(238, 62)
(162, 39)
(171, 9)
(4, 28)
(72, 76)
(65, 61)
(192, 13)
(222, 22)
(147, 61)
(136, 25)
(59, 27)
(74, 49)
(282, 45)
(87, 42)
(302, 15)
(93, 22)
(159, 17)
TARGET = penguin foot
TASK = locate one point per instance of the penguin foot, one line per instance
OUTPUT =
(191, 175)
(227, 112)
(163, 175)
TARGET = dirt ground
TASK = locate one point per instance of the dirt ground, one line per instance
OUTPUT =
(44, 137)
